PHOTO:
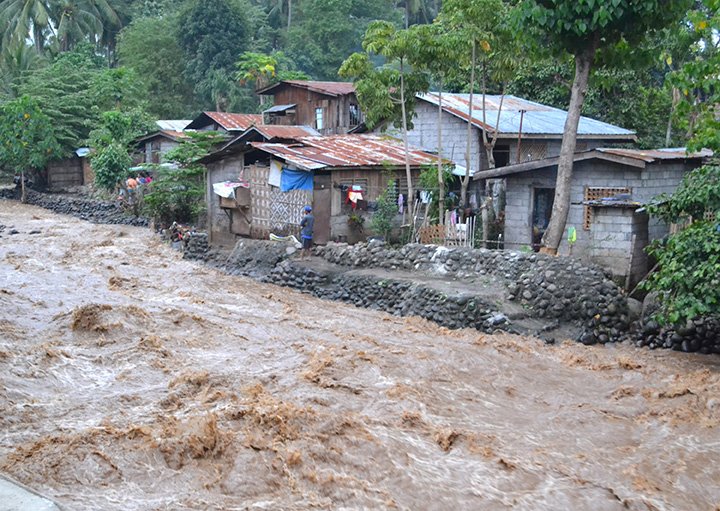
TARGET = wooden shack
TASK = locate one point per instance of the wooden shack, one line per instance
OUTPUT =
(331, 108)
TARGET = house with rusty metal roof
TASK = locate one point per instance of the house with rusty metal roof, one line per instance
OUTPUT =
(608, 192)
(331, 108)
(341, 176)
(224, 121)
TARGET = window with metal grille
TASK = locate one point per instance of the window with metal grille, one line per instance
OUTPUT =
(595, 193)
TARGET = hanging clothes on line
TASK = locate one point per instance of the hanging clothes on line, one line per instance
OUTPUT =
(401, 203)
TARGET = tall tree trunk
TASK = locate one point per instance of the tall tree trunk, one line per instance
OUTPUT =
(38, 39)
(441, 174)
(289, 14)
(408, 173)
(675, 100)
(561, 205)
(23, 190)
(466, 179)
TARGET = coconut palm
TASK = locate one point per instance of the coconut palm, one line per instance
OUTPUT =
(23, 19)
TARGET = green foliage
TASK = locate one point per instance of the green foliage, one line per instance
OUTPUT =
(697, 78)
(382, 219)
(688, 276)
(212, 34)
(379, 91)
(177, 194)
(110, 164)
(150, 47)
(576, 26)
(75, 88)
(328, 31)
(26, 138)
(110, 142)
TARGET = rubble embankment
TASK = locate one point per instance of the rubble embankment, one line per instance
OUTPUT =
(489, 290)
(93, 210)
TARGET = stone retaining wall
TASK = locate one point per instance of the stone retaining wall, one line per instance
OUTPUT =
(92, 210)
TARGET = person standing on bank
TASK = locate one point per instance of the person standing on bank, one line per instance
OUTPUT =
(306, 233)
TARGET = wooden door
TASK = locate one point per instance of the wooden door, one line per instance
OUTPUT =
(322, 192)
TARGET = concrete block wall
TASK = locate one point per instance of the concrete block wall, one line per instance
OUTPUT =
(454, 135)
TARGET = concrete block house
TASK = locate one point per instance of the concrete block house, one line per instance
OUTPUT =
(609, 188)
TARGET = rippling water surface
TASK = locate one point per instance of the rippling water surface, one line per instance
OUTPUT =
(133, 380)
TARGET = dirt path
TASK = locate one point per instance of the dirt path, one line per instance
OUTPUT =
(133, 380)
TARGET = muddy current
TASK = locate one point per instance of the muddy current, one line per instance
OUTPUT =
(133, 380)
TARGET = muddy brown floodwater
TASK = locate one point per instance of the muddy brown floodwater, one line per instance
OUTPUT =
(133, 380)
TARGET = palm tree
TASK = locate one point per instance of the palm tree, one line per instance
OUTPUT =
(22, 19)
(14, 63)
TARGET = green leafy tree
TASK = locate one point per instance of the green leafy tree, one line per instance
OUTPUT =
(688, 275)
(150, 47)
(76, 88)
(212, 33)
(581, 28)
(111, 143)
(178, 194)
(382, 219)
(27, 141)
(388, 93)
(697, 79)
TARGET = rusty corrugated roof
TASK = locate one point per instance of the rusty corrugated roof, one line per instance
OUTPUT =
(235, 122)
(348, 151)
(537, 119)
(328, 88)
(271, 131)
(650, 155)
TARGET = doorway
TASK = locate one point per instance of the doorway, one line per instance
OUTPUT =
(542, 204)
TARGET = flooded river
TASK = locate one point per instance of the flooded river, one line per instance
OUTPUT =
(133, 380)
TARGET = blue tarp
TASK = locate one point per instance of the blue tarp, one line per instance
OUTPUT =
(295, 180)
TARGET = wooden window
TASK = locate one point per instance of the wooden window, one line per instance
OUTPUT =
(594, 193)
(354, 115)
(501, 153)
(319, 118)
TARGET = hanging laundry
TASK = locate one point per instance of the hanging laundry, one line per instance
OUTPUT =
(425, 196)
(275, 176)
(295, 180)
(401, 203)
(354, 194)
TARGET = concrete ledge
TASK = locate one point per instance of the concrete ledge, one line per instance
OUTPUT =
(17, 497)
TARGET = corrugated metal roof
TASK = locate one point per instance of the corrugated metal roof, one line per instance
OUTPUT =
(172, 124)
(235, 122)
(312, 153)
(650, 155)
(271, 131)
(538, 119)
(279, 108)
(328, 88)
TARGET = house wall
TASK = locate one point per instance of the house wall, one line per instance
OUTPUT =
(374, 181)
(593, 244)
(65, 173)
(227, 169)
(163, 145)
(618, 237)
(336, 110)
